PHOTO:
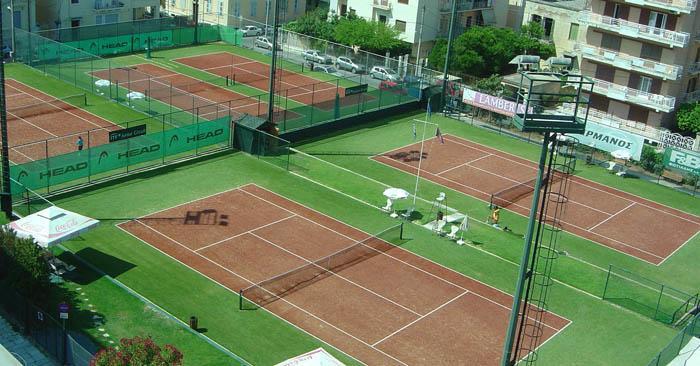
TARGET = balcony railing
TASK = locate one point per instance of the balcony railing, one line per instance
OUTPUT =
(694, 68)
(635, 30)
(679, 6)
(629, 62)
(382, 4)
(108, 4)
(611, 120)
(691, 97)
(465, 5)
(620, 92)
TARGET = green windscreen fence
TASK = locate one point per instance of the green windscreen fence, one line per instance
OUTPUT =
(122, 156)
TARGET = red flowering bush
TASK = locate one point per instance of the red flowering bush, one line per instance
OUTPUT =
(138, 351)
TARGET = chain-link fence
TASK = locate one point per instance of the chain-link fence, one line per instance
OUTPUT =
(684, 346)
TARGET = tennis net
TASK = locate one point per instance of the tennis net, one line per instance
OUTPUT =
(277, 287)
(48, 107)
(512, 194)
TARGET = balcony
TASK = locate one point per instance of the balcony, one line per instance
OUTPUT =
(657, 102)
(108, 4)
(611, 120)
(674, 6)
(694, 68)
(691, 97)
(465, 5)
(635, 30)
(382, 4)
(629, 62)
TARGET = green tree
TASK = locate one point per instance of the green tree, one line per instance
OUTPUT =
(315, 23)
(688, 117)
(371, 36)
(138, 351)
(532, 30)
(23, 265)
(490, 85)
(485, 51)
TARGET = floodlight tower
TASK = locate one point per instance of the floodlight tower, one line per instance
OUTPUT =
(538, 96)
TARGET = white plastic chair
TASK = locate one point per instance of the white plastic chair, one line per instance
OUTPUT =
(453, 232)
(439, 226)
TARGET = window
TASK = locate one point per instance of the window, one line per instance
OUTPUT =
(573, 32)
(468, 22)
(207, 6)
(17, 19)
(221, 7)
(657, 20)
(611, 42)
(616, 11)
(403, 2)
(296, 6)
(400, 25)
(697, 55)
(651, 52)
(253, 8)
(237, 8)
(107, 18)
(644, 84)
(75, 23)
(536, 18)
(548, 27)
(75, 1)
(343, 9)
(691, 85)
(382, 18)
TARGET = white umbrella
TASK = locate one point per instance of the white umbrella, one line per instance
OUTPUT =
(396, 193)
(135, 95)
(621, 154)
(52, 225)
(102, 83)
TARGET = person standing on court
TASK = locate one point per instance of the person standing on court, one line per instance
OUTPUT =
(80, 143)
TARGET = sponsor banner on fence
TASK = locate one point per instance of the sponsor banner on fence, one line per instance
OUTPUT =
(682, 160)
(611, 139)
(491, 103)
(154, 147)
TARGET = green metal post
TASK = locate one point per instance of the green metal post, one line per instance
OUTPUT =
(522, 274)
(658, 303)
(607, 280)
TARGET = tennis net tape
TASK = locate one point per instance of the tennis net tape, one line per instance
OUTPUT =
(277, 287)
(512, 194)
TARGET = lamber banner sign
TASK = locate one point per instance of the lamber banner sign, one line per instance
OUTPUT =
(611, 139)
(684, 160)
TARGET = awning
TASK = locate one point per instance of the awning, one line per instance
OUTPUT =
(52, 225)
(317, 357)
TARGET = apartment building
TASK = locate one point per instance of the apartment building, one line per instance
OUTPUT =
(424, 21)
(644, 56)
(237, 12)
(52, 14)
(17, 13)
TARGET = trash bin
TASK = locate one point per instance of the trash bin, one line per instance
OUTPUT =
(194, 322)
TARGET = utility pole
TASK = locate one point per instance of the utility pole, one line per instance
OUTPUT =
(267, 15)
(273, 66)
(6, 197)
(420, 39)
(449, 51)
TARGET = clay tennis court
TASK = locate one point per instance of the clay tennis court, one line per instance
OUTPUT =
(186, 93)
(630, 224)
(295, 86)
(39, 125)
(393, 308)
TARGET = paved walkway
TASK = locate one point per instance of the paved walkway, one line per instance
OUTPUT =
(22, 348)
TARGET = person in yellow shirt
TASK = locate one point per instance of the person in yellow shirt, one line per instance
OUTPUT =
(495, 215)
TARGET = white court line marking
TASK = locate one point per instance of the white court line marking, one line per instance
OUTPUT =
(615, 214)
(463, 164)
(279, 298)
(21, 153)
(448, 138)
(245, 232)
(230, 290)
(384, 253)
(420, 318)
(526, 208)
(335, 274)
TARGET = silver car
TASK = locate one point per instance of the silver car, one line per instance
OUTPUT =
(384, 73)
(264, 42)
(346, 63)
(251, 30)
(328, 69)
(317, 56)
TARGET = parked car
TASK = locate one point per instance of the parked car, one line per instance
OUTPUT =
(392, 87)
(264, 42)
(317, 56)
(384, 73)
(251, 30)
(346, 63)
(328, 69)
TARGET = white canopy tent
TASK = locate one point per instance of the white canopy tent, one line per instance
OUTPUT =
(52, 225)
(317, 357)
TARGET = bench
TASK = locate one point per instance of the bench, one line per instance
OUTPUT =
(672, 176)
